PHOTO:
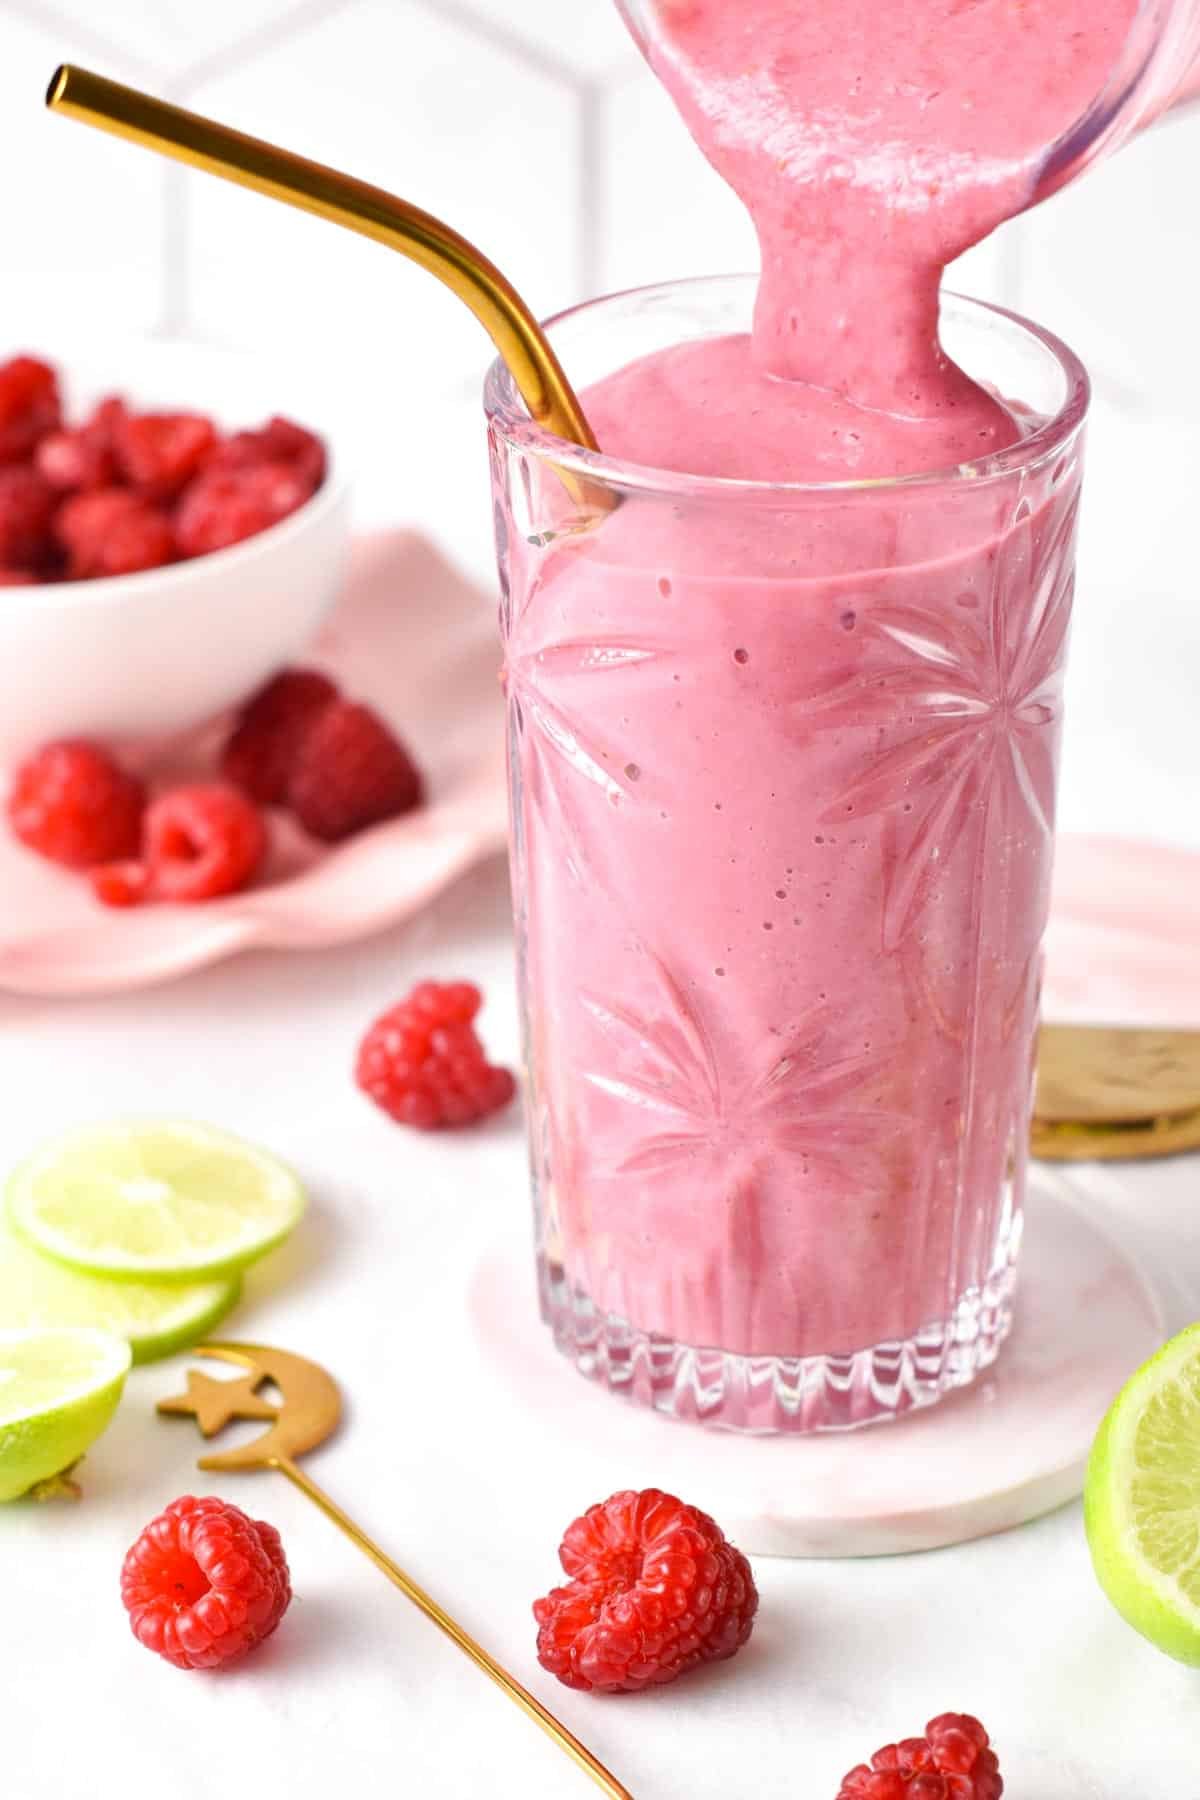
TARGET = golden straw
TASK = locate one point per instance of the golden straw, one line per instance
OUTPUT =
(312, 187)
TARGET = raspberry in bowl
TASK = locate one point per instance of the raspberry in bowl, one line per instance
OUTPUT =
(173, 528)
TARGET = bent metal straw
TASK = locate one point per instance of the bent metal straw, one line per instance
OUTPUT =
(356, 205)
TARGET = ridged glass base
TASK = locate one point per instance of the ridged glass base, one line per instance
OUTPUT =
(775, 1393)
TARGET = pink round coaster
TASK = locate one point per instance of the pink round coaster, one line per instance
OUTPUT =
(1012, 1446)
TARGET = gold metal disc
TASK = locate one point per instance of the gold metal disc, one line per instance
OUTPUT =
(1107, 1094)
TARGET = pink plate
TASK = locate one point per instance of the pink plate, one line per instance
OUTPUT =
(414, 639)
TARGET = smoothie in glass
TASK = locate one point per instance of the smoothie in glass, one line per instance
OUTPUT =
(784, 729)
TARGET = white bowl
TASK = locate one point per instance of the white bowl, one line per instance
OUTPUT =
(154, 654)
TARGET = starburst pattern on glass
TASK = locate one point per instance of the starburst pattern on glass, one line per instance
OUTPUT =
(973, 694)
(797, 1105)
(556, 733)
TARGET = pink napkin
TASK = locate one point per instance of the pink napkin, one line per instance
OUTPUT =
(1123, 945)
(416, 640)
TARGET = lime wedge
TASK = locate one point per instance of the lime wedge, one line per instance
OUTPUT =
(1142, 1500)
(58, 1391)
(154, 1317)
(155, 1200)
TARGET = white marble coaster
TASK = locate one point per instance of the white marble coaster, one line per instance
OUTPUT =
(1012, 1446)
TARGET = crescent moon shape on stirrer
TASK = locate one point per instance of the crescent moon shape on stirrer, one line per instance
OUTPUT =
(309, 1412)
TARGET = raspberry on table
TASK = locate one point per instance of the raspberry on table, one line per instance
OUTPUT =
(112, 531)
(279, 441)
(424, 1064)
(225, 506)
(953, 1761)
(204, 1583)
(27, 505)
(202, 841)
(262, 748)
(72, 803)
(159, 453)
(29, 406)
(655, 1589)
(350, 771)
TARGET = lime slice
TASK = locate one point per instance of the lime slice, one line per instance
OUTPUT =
(58, 1391)
(154, 1318)
(157, 1200)
(1142, 1500)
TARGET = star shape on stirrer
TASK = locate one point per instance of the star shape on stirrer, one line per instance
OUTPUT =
(214, 1403)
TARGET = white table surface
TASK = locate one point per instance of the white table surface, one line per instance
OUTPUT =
(356, 1694)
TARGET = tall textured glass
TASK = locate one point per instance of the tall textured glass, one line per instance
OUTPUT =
(783, 767)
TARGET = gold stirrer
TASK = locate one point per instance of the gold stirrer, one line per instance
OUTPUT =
(356, 205)
(308, 1410)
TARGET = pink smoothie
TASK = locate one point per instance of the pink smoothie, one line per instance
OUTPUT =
(787, 765)
(873, 141)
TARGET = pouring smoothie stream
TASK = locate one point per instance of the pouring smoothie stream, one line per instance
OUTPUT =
(785, 726)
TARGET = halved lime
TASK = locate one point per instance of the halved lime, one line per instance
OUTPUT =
(155, 1318)
(1142, 1499)
(58, 1391)
(154, 1200)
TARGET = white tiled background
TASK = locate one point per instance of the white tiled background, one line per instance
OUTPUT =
(533, 126)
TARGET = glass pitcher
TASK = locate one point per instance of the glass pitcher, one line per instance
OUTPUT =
(1159, 71)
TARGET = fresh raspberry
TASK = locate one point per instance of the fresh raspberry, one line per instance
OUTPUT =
(279, 441)
(656, 1589)
(26, 517)
(83, 456)
(120, 883)
(951, 1762)
(203, 841)
(72, 803)
(350, 771)
(111, 531)
(259, 755)
(17, 578)
(423, 1063)
(29, 406)
(70, 460)
(225, 506)
(203, 1583)
(158, 453)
